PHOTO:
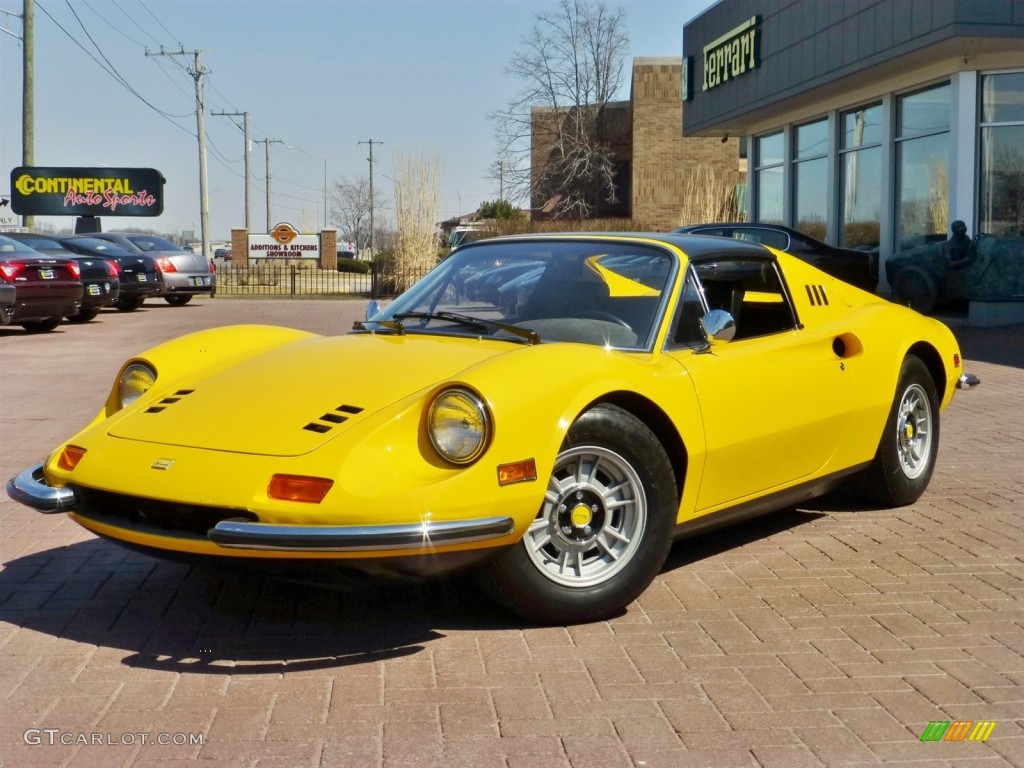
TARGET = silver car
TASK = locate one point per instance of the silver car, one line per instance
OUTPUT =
(186, 274)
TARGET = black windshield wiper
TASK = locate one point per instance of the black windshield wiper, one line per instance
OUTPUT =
(391, 325)
(481, 324)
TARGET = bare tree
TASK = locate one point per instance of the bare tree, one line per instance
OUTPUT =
(350, 209)
(416, 196)
(571, 64)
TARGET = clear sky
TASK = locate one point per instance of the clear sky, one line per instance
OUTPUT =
(419, 76)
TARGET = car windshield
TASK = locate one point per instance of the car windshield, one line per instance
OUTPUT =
(105, 247)
(10, 245)
(152, 243)
(603, 292)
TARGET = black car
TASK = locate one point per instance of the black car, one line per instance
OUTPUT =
(140, 278)
(859, 268)
(45, 289)
(100, 276)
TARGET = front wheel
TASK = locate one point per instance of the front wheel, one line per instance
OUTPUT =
(603, 530)
(906, 454)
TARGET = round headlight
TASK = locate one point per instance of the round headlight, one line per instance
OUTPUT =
(135, 380)
(459, 426)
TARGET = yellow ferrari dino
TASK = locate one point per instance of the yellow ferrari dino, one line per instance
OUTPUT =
(551, 411)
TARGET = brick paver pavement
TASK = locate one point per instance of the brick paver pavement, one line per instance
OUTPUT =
(825, 635)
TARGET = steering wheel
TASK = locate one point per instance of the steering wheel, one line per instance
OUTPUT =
(597, 314)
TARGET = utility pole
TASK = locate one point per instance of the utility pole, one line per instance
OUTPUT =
(28, 141)
(373, 236)
(197, 73)
(266, 143)
(248, 151)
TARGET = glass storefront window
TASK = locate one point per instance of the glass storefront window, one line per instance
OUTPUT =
(1003, 98)
(922, 167)
(861, 176)
(810, 177)
(768, 175)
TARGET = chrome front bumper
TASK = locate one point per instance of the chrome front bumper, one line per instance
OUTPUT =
(320, 538)
(31, 489)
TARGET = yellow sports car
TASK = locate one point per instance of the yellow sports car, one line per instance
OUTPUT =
(552, 411)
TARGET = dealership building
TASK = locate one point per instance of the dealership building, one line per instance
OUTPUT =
(872, 123)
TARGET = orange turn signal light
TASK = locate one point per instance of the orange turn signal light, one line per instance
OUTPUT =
(70, 457)
(517, 472)
(956, 360)
(299, 488)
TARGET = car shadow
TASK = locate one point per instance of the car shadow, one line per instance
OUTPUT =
(718, 541)
(182, 618)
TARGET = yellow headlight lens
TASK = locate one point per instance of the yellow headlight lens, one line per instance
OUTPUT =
(459, 426)
(135, 380)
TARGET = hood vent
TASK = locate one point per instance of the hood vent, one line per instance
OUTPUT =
(338, 416)
(169, 400)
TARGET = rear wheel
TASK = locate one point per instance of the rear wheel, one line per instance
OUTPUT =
(603, 530)
(41, 326)
(906, 454)
(84, 315)
(916, 289)
(129, 303)
(177, 300)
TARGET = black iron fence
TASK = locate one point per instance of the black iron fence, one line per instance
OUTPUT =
(293, 279)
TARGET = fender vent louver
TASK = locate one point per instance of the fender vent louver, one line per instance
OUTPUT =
(169, 400)
(338, 416)
(816, 295)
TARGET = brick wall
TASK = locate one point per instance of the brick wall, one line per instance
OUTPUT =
(665, 163)
(660, 168)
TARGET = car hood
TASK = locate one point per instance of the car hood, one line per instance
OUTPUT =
(292, 399)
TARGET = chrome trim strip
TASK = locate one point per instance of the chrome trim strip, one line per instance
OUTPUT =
(967, 381)
(324, 538)
(30, 488)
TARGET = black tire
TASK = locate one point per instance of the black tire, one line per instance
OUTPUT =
(41, 326)
(581, 559)
(178, 300)
(129, 304)
(84, 315)
(916, 289)
(906, 454)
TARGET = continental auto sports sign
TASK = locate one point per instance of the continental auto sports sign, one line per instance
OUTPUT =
(87, 191)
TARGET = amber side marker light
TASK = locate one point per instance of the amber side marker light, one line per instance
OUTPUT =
(70, 457)
(517, 472)
(956, 361)
(299, 488)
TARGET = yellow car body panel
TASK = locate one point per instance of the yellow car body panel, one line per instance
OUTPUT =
(741, 422)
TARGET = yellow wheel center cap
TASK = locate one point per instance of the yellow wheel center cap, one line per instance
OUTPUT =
(909, 431)
(581, 515)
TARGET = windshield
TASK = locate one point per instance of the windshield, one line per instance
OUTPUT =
(95, 245)
(152, 243)
(9, 245)
(603, 292)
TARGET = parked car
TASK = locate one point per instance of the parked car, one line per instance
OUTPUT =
(651, 386)
(186, 274)
(139, 276)
(859, 268)
(100, 276)
(45, 289)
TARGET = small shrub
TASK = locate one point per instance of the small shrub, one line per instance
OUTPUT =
(352, 265)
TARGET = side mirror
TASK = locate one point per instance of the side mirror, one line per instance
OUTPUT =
(718, 326)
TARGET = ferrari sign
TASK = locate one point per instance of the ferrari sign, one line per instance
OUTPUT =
(87, 191)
